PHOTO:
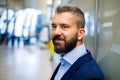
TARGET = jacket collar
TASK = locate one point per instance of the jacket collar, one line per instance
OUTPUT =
(76, 66)
(55, 72)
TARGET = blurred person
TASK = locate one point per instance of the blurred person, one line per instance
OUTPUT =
(4, 21)
(76, 62)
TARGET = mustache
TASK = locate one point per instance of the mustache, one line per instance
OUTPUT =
(57, 37)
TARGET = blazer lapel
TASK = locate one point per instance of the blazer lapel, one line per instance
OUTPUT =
(76, 66)
(55, 72)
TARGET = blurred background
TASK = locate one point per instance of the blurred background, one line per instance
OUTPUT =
(26, 50)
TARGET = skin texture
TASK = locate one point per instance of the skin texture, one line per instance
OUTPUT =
(65, 34)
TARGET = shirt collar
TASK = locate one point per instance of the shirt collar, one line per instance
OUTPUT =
(73, 55)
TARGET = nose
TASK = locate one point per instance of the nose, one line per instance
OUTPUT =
(58, 31)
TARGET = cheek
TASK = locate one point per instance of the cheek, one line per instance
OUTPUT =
(68, 36)
(72, 35)
(52, 33)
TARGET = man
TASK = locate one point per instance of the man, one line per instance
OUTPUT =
(68, 31)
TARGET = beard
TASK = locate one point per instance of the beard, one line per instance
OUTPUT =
(66, 46)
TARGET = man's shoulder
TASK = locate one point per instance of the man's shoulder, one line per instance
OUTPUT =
(89, 68)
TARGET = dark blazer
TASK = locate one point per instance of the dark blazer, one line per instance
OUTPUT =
(85, 68)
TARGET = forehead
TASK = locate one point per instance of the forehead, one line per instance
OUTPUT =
(63, 17)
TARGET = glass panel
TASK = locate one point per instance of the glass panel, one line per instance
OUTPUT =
(108, 54)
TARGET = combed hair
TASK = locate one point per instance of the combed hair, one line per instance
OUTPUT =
(74, 10)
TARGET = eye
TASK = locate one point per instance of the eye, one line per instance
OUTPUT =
(64, 26)
(53, 26)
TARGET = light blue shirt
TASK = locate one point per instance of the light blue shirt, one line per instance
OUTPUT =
(69, 59)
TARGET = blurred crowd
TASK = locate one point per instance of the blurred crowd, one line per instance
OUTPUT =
(25, 24)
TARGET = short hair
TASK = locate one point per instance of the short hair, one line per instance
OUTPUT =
(74, 10)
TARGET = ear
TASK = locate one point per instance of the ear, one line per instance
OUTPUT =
(81, 33)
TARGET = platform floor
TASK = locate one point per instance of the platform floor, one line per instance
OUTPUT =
(25, 63)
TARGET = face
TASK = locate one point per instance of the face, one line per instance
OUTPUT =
(65, 34)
